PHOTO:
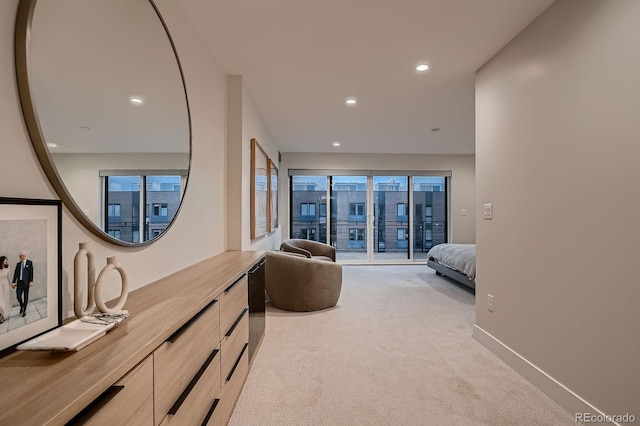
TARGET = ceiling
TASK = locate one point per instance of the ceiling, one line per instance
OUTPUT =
(301, 59)
(82, 93)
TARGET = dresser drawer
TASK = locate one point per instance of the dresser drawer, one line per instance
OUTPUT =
(214, 416)
(233, 301)
(128, 402)
(232, 343)
(232, 385)
(179, 358)
(193, 405)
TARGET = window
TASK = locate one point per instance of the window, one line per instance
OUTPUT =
(115, 233)
(418, 213)
(113, 210)
(356, 209)
(430, 224)
(428, 235)
(350, 186)
(400, 214)
(308, 209)
(160, 209)
(307, 234)
(126, 196)
(402, 238)
(305, 186)
(403, 212)
(356, 234)
(306, 193)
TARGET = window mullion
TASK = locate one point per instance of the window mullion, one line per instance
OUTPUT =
(142, 223)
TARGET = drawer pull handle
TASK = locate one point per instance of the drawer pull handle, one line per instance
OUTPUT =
(179, 332)
(211, 410)
(235, 324)
(96, 405)
(226, 290)
(233, 370)
(183, 396)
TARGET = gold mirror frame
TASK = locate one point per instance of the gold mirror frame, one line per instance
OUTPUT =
(260, 181)
(24, 20)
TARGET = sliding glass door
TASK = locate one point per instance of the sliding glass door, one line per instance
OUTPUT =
(349, 213)
(390, 218)
(429, 210)
(308, 210)
(373, 217)
(122, 207)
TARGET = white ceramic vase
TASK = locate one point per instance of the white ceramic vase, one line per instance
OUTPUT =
(84, 255)
(112, 263)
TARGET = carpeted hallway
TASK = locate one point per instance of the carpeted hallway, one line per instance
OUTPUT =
(396, 350)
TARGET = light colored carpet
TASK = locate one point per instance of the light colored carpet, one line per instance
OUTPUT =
(396, 350)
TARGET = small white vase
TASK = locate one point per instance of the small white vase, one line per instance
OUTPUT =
(112, 263)
(84, 254)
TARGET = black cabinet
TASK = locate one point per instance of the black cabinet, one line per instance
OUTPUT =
(256, 306)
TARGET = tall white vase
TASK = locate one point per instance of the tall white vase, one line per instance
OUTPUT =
(84, 255)
(112, 263)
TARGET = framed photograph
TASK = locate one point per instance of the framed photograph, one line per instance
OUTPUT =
(30, 269)
(273, 196)
(259, 191)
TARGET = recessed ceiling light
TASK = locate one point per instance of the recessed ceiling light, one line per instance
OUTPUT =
(435, 129)
(422, 67)
(52, 145)
(136, 100)
(351, 101)
(336, 143)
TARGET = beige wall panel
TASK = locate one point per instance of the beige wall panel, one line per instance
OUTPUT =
(557, 154)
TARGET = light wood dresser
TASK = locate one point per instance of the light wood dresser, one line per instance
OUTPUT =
(181, 358)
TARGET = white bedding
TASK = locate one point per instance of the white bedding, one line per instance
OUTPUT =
(459, 257)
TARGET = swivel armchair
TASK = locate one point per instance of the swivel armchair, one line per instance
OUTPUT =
(295, 282)
(310, 249)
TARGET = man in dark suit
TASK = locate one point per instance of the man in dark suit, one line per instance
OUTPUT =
(23, 279)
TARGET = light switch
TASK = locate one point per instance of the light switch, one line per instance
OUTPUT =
(463, 212)
(488, 211)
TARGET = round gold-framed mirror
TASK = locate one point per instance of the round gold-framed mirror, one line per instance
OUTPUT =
(105, 104)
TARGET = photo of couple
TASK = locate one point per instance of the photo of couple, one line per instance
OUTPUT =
(21, 282)
(23, 289)
(30, 269)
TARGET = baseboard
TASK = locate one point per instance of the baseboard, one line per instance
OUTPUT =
(555, 390)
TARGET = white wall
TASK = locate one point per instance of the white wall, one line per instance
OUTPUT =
(244, 124)
(462, 180)
(198, 232)
(557, 154)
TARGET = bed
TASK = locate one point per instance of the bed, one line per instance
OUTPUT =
(456, 261)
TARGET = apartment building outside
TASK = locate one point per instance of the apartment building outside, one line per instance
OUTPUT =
(348, 211)
(122, 203)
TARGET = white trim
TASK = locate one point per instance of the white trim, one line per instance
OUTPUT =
(411, 213)
(555, 390)
(368, 172)
(147, 172)
(370, 218)
(380, 262)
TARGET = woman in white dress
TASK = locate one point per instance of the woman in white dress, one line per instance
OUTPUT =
(5, 290)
